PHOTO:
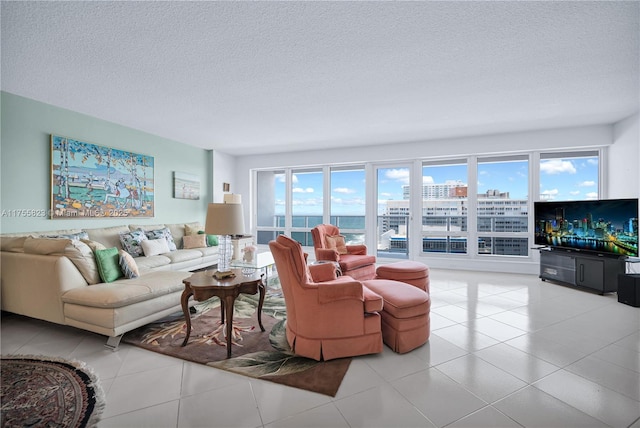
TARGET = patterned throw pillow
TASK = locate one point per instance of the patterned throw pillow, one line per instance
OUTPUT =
(79, 235)
(336, 243)
(128, 265)
(162, 233)
(131, 242)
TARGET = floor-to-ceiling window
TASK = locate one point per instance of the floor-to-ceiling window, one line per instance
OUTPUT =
(348, 202)
(472, 206)
(307, 203)
(502, 205)
(445, 206)
(393, 187)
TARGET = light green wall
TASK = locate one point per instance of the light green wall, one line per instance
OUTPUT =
(25, 152)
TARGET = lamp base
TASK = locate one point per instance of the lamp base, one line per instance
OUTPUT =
(222, 275)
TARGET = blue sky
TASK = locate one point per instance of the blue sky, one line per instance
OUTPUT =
(560, 179)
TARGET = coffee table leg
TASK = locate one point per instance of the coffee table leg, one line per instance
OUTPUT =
(184, 301)
(261, 289)
(229, 320)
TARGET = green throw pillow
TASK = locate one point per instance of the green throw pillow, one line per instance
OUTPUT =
(108, 264)
(212, 240)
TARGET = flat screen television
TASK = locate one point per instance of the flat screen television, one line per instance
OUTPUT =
(607, 227)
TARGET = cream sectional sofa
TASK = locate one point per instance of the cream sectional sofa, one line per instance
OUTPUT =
(55, 279)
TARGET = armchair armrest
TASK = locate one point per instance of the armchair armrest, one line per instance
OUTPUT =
(323, 272)
(343, 288)
(373, 302)
(359, 249)
(327, 254)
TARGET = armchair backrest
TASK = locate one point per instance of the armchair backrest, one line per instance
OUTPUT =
(289, 257)
(319, 233)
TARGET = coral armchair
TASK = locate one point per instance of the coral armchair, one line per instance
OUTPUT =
(353, 259)
(325, 320)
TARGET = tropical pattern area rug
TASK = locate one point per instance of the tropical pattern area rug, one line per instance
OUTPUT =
(40, 391)
(262, 355)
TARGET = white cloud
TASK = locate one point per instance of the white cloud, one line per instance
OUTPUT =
(301, 190)
(348, 201)
(401, 175)
(574, 192)
(588, 183)
(592, 161)
(592, 195)
(549, 194)
(385, 195)
(344, 190)
(557, 166)
(427, 179)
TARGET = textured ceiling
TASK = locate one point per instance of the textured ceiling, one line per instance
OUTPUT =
(256, 77)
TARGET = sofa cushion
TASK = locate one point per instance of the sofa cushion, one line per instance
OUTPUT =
(124, 292)
(163, 233)
(132, 242)
(108, 265)
(78, 252)
(128, 265)
(153, 247)
(45, 246)
(14, 244)
(154, 262)
(194, 241)
(107, 236)
(183, 255)
(351, 261)
(207, 251)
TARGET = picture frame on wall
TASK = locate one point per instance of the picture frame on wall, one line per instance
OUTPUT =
(186, 186)
(92, 181)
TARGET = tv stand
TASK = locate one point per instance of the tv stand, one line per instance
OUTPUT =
(594, 272)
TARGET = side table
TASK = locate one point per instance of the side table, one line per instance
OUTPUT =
(203, 286)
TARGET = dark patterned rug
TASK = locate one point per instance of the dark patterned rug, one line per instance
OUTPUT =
(40, 391)
(262, 355)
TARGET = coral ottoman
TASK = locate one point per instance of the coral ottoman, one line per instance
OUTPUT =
(405, 314)
(414, 273)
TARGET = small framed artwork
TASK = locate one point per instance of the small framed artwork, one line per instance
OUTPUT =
(185, 186)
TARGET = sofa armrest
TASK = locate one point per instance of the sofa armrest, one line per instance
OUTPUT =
(37, 293)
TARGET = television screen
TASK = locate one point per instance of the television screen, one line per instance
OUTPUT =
(608, 227)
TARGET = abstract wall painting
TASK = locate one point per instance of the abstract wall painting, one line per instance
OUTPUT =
(92, 181)
(185, 186)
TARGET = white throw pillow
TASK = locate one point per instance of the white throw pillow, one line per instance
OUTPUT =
(153, 247)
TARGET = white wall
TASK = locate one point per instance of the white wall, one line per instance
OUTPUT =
(624, 159)
(223, 172)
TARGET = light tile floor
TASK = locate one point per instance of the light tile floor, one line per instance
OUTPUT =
(506, 350)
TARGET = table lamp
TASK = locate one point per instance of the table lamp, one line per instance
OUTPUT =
(225, 220)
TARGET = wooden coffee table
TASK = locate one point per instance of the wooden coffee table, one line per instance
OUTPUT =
(203, 286)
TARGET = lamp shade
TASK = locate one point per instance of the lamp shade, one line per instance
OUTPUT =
(224, 219)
